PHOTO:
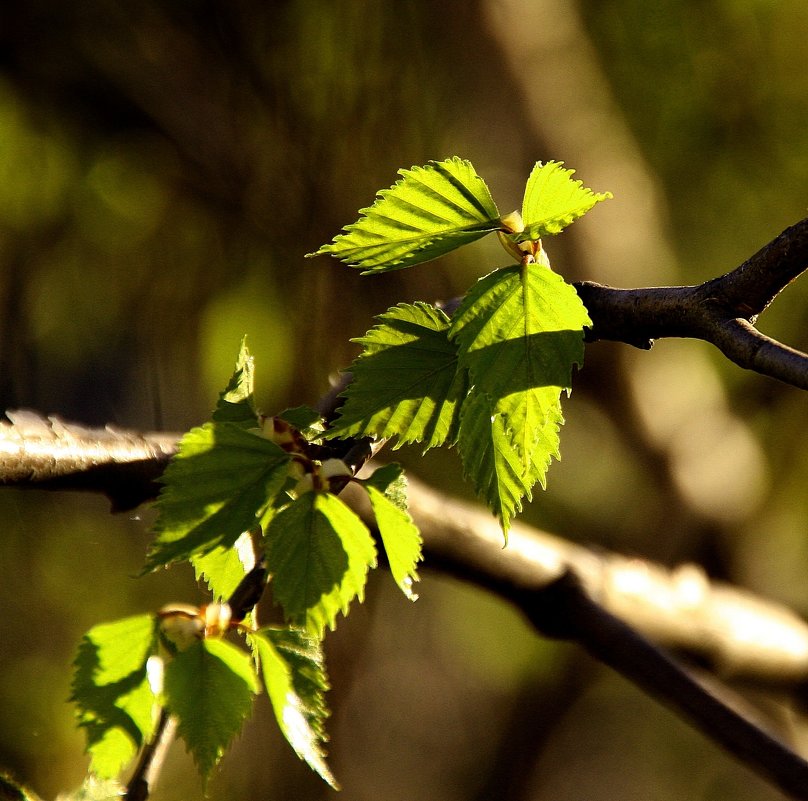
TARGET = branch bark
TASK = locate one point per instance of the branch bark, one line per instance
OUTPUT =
(722, 311)
(613, 606)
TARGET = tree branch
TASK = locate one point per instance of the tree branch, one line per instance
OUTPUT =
(607, 603)
(734, 632)
(721, 311)
(46, 453)
(565, 610)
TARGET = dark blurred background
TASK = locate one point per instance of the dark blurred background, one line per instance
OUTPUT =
(164, 167)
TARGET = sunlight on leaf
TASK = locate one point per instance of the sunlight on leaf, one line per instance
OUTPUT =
(319, 553)
(217, 486)
(490, 460)
(222, 569)
(237, 404)
(405, 383)
(553, 200)
(115, 704)
(430, 211)
(209, 687)
(386, 490)
(519, 332)
(294, 674)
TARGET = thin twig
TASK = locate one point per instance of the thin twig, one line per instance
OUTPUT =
(150, 763)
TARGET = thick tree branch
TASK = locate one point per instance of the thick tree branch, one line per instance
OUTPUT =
(607, 603)
(734, 632)
(721, 311)
(679, 608)
(564, 609)
(47, 453)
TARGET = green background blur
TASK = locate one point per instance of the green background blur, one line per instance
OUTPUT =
(164, 166)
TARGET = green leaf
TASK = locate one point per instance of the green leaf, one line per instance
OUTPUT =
(390, 480)
(501, 477)
(222, 569)
(294, 674)
(553, 200)
(318, 552)
(519, 332)
(209, 687)
(115, 704)
(306, 420)
(237, 404)
(217, 486)
(430, 211)
(386, 490)
(406, 383)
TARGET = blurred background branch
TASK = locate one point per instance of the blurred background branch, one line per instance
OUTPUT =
(163, 170)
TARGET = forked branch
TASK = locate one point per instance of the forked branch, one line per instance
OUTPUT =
(722, 311)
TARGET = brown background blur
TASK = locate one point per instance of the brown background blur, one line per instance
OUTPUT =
(164, 166)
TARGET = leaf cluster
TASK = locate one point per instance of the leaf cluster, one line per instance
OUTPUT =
(245, 498)
(254, 502)
(489, 379)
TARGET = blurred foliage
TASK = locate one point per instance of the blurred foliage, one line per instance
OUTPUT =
(163, 169)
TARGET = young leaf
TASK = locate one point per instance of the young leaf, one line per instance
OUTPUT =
(553, 200)
(222, 569)
(221, 480)
(501, 477)
(318, 552)
(306, 420)
(294, 674)
(519, 331)
(430, 211)
(237, 404)
(209, 687)
(386, 490)
(405, 383)
(115, 704)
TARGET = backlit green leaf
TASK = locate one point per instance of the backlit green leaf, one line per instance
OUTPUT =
(294, 674)
(306, 420)
(430, 211)
(217, 487)
(237, 404)
(519, 332)
(115, 704)
(406, 383)
(501, 477)
(222, 569)
(400, 536)
(209, 688)
(553, 200)
(318, 552)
